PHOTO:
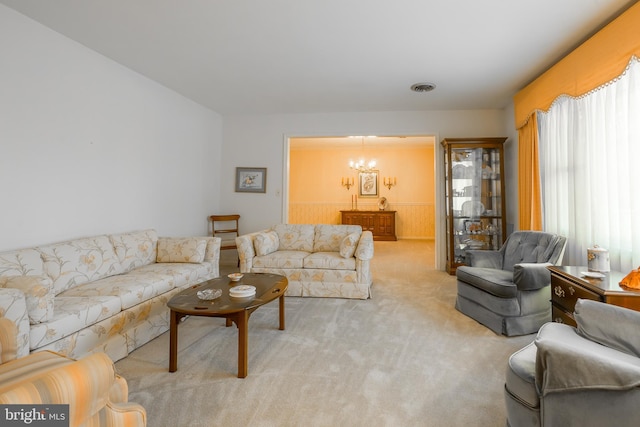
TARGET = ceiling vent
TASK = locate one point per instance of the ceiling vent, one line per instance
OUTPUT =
(423, 87)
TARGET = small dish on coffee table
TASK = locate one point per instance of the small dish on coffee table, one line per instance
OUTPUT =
(209, 294)
(235, 276)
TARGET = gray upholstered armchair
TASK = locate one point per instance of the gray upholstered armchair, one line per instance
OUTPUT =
(584, 376)
(508, 290)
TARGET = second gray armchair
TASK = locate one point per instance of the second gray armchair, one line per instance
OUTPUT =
(508, 290)
(588, 376)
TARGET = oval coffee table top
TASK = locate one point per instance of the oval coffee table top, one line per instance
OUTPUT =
(268, 288)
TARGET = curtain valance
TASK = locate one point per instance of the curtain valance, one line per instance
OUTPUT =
(597, 61)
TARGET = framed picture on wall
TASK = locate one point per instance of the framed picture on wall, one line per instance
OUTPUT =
(368, 184)
(251, 180)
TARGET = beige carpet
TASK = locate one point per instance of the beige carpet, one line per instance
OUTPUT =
(405, 357)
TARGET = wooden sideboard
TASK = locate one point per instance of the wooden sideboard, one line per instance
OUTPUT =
(568, 284)
(382, 224)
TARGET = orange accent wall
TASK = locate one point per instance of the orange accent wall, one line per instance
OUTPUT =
(317, 196)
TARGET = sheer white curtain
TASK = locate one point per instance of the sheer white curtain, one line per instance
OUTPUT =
(590, 169)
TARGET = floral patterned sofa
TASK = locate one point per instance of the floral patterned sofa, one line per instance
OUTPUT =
(318, 260)
(104, 293)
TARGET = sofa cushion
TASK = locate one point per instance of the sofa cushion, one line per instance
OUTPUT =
(181, 273)
(39, 295)
(187, 249)
(22, 262)
(80, 261)
(72, 314)
(329, 261)
(266, 242)
(496, 282)
(295, 237)
(281, 259)
(136, 248)
(131, 289)
(328, 238)
(348, 245)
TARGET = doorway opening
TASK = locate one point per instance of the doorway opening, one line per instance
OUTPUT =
(320, 182)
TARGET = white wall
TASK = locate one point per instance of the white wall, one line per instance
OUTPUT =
(259, 141)
(511, 166)
(88, 146)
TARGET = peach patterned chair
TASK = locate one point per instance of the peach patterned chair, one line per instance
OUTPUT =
(95, 393)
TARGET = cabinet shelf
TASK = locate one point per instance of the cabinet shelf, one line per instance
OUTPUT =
(474, 185)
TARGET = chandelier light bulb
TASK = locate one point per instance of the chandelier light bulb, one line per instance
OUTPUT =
(362, 165)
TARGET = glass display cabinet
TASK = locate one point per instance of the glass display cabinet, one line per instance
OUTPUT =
(474, 196)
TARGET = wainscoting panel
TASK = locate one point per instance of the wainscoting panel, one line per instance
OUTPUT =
(413, 220)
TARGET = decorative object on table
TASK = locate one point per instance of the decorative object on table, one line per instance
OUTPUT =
(472, 208)
(368, 184)
(251, 180)
(598, 259)
(472, 226)
(383, 204)
(389, 182)
(347, 182)
(354, 202)
(209, 294)
(592, 275)
(632, 280)
(235, 276)
(242, 291)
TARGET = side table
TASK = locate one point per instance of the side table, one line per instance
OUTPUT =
(568, 284)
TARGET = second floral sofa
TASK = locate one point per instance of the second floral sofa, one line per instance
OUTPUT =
(320, 260)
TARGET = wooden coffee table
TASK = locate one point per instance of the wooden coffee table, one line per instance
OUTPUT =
(186, 303)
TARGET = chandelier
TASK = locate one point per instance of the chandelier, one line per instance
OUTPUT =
(362, 165)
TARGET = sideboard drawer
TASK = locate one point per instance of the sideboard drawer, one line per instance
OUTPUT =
(568, 283)
(565, 294)
(560, 316)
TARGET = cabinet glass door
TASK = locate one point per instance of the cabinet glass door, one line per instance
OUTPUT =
(475, 211)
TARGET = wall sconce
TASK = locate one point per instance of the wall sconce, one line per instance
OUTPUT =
(388, 182)
(348, 182)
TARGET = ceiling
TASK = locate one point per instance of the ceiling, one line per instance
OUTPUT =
(323, 56)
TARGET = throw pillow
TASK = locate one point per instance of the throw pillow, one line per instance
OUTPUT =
(136, 248)
(185, 249)
(39, 294)
(266, 243)
(348, 245)
(609, 325)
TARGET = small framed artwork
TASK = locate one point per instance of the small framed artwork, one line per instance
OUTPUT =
(251, 180)
(368, 184)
